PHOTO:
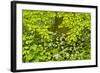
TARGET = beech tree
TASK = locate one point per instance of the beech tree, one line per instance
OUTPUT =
(56, 36)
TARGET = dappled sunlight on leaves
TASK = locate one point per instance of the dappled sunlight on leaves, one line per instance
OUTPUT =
(56, 36)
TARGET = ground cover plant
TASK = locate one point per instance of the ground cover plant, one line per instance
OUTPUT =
(55, 36)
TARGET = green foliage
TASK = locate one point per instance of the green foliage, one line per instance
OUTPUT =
(56, 36)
